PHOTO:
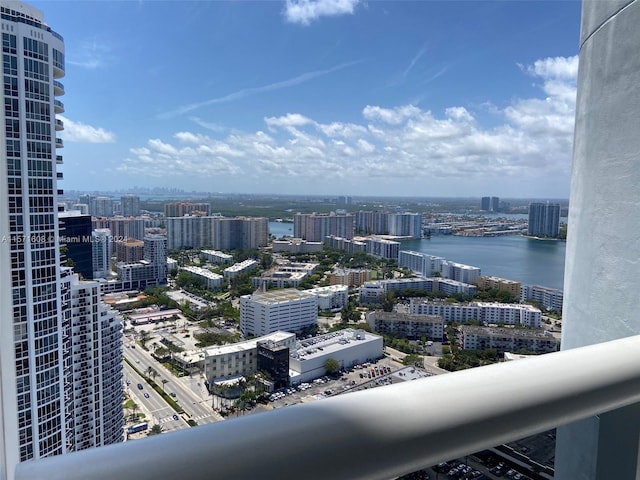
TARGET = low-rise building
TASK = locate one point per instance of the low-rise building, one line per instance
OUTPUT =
(296, 245)
(372, 293)
(240, 358)
(501, 284)
(238, 268)
(212, 281)
(331, 298)
(348, 347)
(429, 265)
(349, 277)
(549, 298)
(288, 275)
(504, 339)
(482, 312)
(407, 325)
(215, 256)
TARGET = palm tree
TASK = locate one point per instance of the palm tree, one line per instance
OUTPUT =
(155, 430)
(163, 382)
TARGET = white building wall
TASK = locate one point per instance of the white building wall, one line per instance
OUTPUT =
(260, 315)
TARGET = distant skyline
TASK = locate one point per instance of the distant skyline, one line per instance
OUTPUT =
(327, 97)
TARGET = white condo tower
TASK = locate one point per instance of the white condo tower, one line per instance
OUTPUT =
(60, 363)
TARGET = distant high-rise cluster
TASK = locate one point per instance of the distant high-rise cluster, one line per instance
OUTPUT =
(544, 220)
(180, 209)
(490, 204)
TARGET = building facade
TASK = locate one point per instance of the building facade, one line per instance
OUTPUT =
(508, 340)
(94, 392)
(428, 265)
(314, 227)
(405, 225)
(220, 233)
(288, 309)
(130, 250)
(544, 220)
(501, 284)
(40, 401)
(483, 312)
(101, 249)
(549, 298)
(180, 209)
(75, 235)
(130, 205)
(406, 325)
(212, 281)
(239, 359)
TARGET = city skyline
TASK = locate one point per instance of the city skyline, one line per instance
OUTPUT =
(390, 98)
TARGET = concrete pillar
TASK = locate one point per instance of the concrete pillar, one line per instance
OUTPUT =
(602, 272)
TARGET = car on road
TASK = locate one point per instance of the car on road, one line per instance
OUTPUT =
(173, 394)
(140, 387)
(146, 395)
(175, 417)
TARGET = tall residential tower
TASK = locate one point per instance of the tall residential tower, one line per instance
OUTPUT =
(544, 219)
(43, 410)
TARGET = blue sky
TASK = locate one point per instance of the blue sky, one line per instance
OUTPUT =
(344, 97)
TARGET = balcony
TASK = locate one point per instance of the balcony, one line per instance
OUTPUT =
(58, 106)
(59, 125)
(59, 143)
(59, 160)
(59, 176)
(58, 88)
(380, 433)
(58, 70)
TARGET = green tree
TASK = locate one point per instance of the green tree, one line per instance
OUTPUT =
(413, 360)
(388, 302)
(155, 430)
(331, 365)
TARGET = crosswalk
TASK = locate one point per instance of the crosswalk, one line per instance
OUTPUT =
(171, 419)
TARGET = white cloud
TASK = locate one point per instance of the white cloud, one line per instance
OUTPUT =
(288, 120)
(565, 68)
(83, 133)
(393, 116)
(402, 143)
(306, 11)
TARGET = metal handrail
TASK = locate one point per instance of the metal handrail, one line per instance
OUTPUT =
(379, 433)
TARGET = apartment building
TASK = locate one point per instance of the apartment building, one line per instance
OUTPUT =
(501, 284)
(212, 281)
(483, 312)
(50, 402)
(315, 227)
(549, 298)
(508, 339)
(406, 325)
(219, 233)
(288, 309)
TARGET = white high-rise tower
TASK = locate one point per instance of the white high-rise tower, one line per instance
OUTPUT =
(42, 412)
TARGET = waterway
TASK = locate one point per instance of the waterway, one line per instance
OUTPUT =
(526, 260)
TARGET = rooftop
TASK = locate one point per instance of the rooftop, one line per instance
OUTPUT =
(331, 342)
(279, 296)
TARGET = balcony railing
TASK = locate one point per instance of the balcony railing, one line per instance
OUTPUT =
(379, 433)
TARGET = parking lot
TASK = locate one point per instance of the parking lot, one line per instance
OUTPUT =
(361, 377)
